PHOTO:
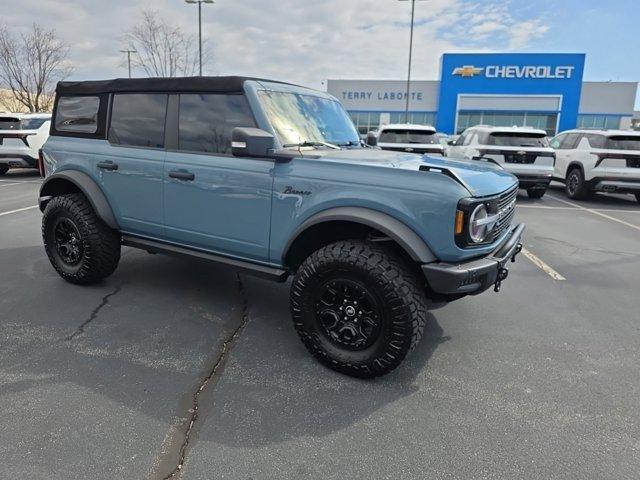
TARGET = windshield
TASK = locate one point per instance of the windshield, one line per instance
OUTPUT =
(518, 139)
(630, 142)
(407, 136)
(298, 118)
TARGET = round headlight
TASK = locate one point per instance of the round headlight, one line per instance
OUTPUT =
(477, 229)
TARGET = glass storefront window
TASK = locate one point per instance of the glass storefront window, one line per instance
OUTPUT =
(367, 121)
(599, 121)
(543, 121)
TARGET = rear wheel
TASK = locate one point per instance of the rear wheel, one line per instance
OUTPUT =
(79, 245)
(638, 197)
(358, 308)
(575, 185)
(3, 169)
(536, 192)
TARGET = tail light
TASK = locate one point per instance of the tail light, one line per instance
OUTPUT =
(41, 163)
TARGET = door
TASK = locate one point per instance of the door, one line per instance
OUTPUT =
(564, 145)
(213, 200)
(131, 167)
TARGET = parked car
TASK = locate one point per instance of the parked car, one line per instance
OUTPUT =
(523, 151)
(598, 161)
(21, 136)
(406, 137)
(271, 178)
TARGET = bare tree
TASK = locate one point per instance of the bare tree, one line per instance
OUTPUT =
(162, 49)
(31, 64)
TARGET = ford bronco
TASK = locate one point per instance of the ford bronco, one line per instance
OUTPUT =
(272, 179)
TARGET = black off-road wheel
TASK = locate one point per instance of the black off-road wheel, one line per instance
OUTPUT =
(80, 246)
(536, 192)
(358, 308)
(575, 185)
(3, 169)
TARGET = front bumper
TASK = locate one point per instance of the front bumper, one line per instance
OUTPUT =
(475, 276)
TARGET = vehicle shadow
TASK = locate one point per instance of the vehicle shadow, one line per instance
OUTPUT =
(15, 173)
(273, 390)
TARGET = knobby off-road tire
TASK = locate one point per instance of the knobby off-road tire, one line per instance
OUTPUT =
(575, 185)
(536, 192)
(81, 248)
(388, 320)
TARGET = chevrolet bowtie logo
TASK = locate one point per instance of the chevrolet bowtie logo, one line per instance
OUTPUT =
(467, 71)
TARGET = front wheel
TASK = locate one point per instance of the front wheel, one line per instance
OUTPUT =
(79, 245)
(638, 197)
(3, 169)
(358, 308)
(536, 192)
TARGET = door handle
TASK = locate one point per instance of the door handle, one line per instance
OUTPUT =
(108, 165)
(182, 175)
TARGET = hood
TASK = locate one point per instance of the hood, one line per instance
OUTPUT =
(481, 179)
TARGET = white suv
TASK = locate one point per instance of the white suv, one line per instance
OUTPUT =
(598, 161)
(522, 151)
(407, 137)
(21, 136)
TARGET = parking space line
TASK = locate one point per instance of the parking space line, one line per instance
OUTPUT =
(2, 214)
(595, 212)
(542, 266)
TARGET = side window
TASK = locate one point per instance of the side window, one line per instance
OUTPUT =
(570, 141)
(556, 141)
(470, 136)
(77, 114)
(596, 141)
(137, 120)
(206, 121)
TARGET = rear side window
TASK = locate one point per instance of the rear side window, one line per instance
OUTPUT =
(77, 114)
(518, 139)
(206, 121)
(138, 120)
(596, 141)
(32, 123)
(407, 136)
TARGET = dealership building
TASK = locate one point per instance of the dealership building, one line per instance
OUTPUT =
(542, 90)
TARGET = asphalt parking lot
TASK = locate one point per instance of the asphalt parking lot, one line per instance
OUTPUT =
(539, 381)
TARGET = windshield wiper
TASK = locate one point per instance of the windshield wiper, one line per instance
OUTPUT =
(308, 143)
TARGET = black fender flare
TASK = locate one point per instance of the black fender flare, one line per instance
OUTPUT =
(408, 239)
(55, 185)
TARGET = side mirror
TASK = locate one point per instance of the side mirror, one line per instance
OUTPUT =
(372, 140)
(251, 142)
(451, 143)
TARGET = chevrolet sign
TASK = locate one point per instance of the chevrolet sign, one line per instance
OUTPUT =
(516, 71)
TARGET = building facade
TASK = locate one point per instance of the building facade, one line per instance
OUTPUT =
(541, 90)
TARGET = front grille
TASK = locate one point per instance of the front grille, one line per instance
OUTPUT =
(506, 204)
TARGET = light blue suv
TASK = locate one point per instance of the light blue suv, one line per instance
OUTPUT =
(272, 179)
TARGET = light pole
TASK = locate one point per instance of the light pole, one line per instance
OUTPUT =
(129, 52)
(406, 109)
(199, 2)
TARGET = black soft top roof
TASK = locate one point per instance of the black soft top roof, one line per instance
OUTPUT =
(232, 84)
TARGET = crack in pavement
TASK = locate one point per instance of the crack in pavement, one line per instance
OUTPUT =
(227, 346)
(93, 315)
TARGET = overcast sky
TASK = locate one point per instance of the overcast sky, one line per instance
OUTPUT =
(308, 41)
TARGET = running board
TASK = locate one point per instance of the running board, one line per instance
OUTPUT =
(271, 273)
